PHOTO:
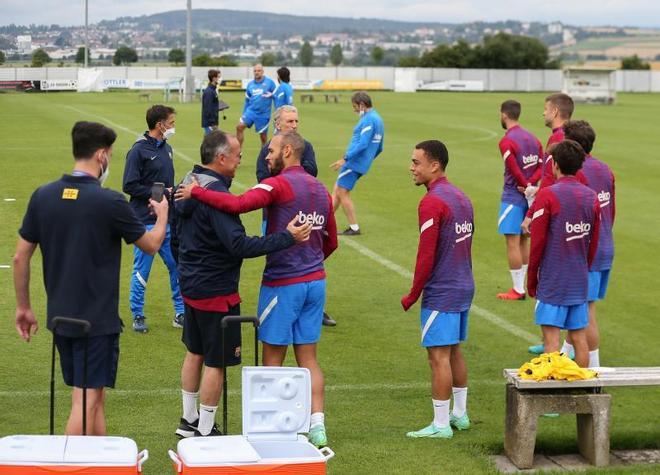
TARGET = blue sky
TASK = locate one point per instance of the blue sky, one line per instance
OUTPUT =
(582, 12)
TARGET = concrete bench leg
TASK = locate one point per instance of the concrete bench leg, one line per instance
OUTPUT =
(520, 429)
(593, 431)
(523, 409)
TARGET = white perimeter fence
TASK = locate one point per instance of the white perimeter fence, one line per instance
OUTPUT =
(493, 79)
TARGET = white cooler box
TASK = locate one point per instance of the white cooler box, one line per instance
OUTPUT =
(276, 407)
(61, 454)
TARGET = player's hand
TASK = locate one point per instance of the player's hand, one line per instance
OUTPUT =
(184, 192)
(26, 323)
(525, 224)
(521, 189)
(159, 208)
(407, 301)
(530, 191)
(300, 232)
(338, 164)
(531, 291)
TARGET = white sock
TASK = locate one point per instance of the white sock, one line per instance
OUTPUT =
(206, 419)
(518, 278)
(460, 401)
(354, 227)
(317, 419)
(440, 412)
(524, 269)
(190, 405)
(567, 348)
(594, 359)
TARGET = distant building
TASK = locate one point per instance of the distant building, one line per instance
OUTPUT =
(24, 44)
(555, 28)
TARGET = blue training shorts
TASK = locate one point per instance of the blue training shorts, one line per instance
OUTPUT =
(598, 281)
(291, 314)
(443, 328)
(102, 360)
(510, 218)
(260, 122)
(347, 178)
(566, 317)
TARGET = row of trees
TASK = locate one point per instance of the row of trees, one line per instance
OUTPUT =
(501, 51)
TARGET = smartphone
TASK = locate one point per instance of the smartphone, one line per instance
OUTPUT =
(157, 190)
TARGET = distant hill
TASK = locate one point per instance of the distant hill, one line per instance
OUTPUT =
(260, 22)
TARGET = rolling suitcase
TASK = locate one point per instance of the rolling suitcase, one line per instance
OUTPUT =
(276, 403)
(61, 454)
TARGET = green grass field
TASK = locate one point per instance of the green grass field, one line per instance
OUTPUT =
(376, 372)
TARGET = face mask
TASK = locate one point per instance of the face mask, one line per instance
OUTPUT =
(168, 133)
(105, 173)
(362, 112)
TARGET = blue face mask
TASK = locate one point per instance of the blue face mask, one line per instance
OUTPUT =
(105, 172)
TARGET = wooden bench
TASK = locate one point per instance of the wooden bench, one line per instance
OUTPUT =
(328, 97)
(526, 400)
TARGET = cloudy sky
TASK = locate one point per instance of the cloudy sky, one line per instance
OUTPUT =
(581, 12)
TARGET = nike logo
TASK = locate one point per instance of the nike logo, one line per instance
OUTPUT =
(155, 156)
(208, 410)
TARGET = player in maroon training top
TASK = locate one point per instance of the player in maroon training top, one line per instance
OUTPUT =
(564, 242)
(443, 277)
(522, 154)
(599, 178)
(292, 294)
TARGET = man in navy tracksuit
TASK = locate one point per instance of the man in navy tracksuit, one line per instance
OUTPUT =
(213, 245)
(210, 102)
(149, 161)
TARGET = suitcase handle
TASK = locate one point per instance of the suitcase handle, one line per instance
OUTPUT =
(238, 319)
(141, 458)
(175, 458)
(327, 452)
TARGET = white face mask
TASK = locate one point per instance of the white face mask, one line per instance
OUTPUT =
(169, 133)
(105, 173)
(362, 112)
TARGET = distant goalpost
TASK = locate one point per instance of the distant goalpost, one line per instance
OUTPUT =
(593, 85)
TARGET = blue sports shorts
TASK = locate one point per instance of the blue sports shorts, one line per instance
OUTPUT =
(598, 282)
(510, 218)
(260, 122)
(566, 317)
(347, 178)
(291, 314)
(443, 328)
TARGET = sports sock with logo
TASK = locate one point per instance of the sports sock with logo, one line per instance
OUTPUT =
(206, 419)
(594, 358)
(190, 405)
(518, 278)
(460, 401)
(354, 227)
(317, 419)
(440, 413)
(567, 348)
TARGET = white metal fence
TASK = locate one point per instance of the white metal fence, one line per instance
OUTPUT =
(493, 79)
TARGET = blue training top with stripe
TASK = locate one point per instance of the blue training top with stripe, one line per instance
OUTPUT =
(366, 142)
(283, 96)
(259, 97)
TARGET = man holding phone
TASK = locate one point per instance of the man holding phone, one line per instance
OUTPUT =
(149, 173)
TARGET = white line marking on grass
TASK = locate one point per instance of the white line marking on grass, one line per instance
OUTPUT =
(482, 312)
(10, 200)
(4, 266)
(187, 158)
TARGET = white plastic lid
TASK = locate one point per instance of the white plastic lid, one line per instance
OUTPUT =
(101, 450)
(276, 402)
(213, 451)
(32, 448)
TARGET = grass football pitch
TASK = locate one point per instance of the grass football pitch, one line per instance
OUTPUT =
(376, 372)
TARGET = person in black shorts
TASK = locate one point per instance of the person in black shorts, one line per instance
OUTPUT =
(212, 247)
(79, 226)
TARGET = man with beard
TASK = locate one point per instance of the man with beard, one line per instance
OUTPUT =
(292, 294)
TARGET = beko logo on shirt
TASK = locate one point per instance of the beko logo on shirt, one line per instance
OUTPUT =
(317, 220)
(464, 228)
(530, 160)
(604, 198)
(578, 230)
